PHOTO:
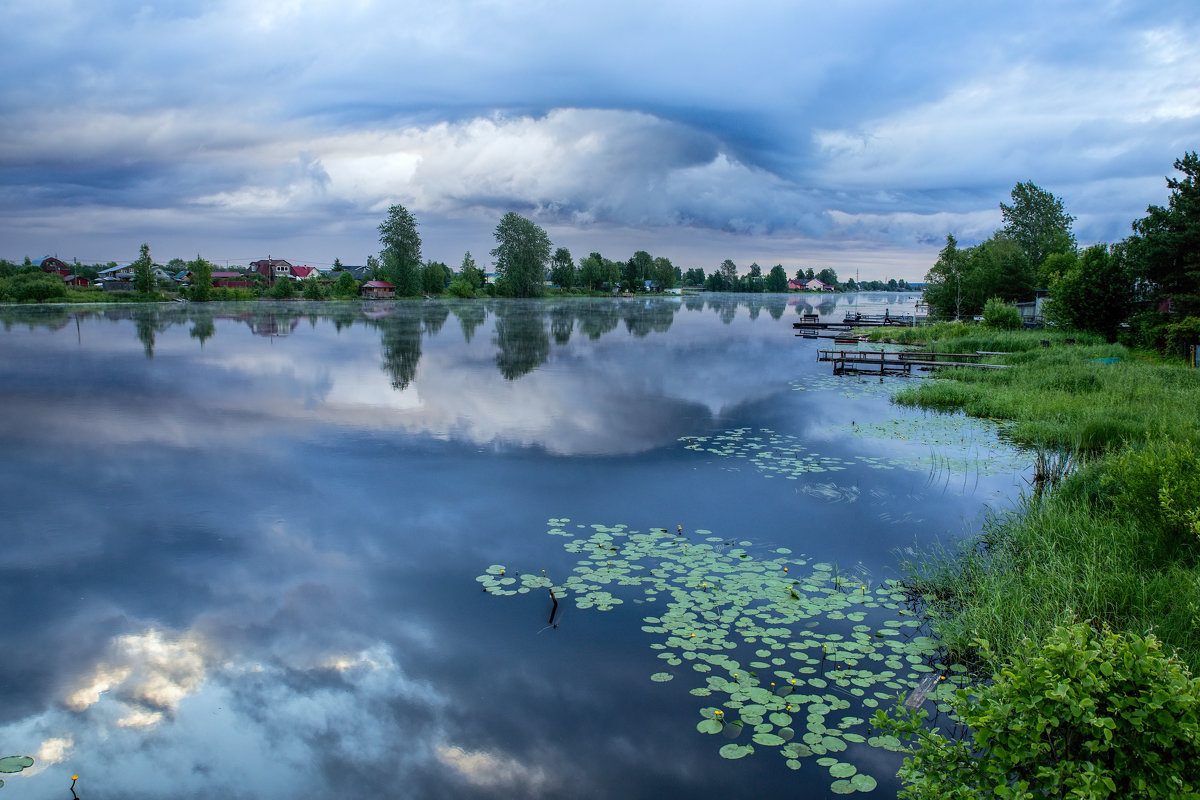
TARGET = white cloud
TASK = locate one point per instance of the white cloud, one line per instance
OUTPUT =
(493, 770)
(147, 673)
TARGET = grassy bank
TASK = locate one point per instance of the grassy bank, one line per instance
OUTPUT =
(1118, 542)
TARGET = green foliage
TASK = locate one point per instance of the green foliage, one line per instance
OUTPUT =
(406, 277)
(562, 268)
(1180, 333)
(1158, 486)
(1085, 714)
(1091, 292)
(998, 314)
(313, 290)
(1038, 223)
(1007, 264)
(434, 277)
(695, 277)
(664, 273)
(143, 278)
(777, 280)
(401, 251)
(469, 272)
(522, 250)
(636, 271)
(201, 270)
(284, 289)
(1062, 397)
(32, 287)
(961, 281)
(461, 288)
(345, 285)
(1165, 247)
(1114, 542)
(828, 275)
(592, 271)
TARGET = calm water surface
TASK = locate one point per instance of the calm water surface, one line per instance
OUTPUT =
(241, 542)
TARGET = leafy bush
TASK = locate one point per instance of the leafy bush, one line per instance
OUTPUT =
(345, 286)
(1084, 715)
(1182, 333)
(1159, 486)
(998, 314)
(32, 287)
(461, 288)
(1147, 330)
(283, 289)
(314, 290)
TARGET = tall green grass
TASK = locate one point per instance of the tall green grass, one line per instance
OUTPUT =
(1117, 542)
(959, 337)
(1057, 560)
(1064, 397)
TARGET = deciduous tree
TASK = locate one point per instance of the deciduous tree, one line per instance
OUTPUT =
(469, 272)
(1038, 223)
(401, 250)
(562, 268)
(143, 277)
(202, 271)
(521, 252)
(777, 280)
(1093, 293)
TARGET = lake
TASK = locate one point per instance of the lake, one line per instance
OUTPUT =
(587, 548)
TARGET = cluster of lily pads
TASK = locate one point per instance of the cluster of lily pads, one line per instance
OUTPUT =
(849, 386)
(948, 442)
(788, 655)
(10, 764)
(772, 453)
(958, 443)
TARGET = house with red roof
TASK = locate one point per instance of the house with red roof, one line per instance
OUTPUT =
(378, 289)
(272, 268)
(52, 264)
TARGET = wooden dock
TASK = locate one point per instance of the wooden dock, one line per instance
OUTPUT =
(812, 322)
(880, 362)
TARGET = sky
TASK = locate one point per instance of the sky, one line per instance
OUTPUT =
(854, 134)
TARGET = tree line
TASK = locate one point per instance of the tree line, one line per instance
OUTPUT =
(525, 259)
(1144, 289)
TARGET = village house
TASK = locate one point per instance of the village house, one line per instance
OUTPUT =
(300, 273)
(378, 289)
(810, 285)
(52, 264)
(272, 269)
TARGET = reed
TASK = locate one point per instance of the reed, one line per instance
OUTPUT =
(1118, 540)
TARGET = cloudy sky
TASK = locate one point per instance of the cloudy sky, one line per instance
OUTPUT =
(854, 134)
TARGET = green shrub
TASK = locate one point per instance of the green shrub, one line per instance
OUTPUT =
(283, 289)
(461, 288)
(998, 314)
(314, 290)
(1182, 333)
(1085, 715)
(32, 287)
(1147, 330)
(345, 286)
(1158, 485)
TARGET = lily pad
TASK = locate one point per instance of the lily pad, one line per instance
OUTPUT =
(735, 751)
(15, 763)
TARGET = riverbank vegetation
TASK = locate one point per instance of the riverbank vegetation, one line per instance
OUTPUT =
(1098, 576)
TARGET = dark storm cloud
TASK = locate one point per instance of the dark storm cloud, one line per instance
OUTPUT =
(848, 126)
